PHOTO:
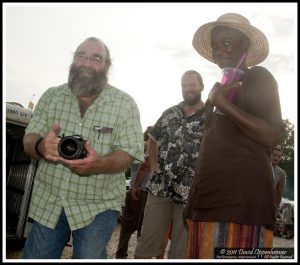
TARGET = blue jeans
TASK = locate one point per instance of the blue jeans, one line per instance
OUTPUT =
(88, 242)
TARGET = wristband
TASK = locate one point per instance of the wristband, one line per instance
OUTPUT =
(36, 147)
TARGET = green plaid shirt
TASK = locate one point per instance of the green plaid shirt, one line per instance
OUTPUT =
(56, 186)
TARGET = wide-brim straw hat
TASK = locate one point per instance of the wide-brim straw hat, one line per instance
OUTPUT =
(259, 47)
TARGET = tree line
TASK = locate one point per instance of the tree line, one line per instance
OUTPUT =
(287, 162)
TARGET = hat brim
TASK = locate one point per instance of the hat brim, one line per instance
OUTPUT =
(258, 49)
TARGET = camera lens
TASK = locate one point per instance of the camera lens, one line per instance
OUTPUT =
(71, 147)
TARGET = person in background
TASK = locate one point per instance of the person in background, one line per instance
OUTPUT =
(135, 201)
(279, 176)
(287, 218)
(82, 195)
(174, 143)
(231, 203)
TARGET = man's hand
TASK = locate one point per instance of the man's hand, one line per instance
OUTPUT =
(49, 146)
(84, 166)
(135, 193)
(94, 163)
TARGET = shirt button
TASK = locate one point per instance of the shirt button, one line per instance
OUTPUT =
(80, 124)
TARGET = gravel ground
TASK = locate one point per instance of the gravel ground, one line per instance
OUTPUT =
(113, 244)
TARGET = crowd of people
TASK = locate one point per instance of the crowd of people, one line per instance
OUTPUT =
(201, 178)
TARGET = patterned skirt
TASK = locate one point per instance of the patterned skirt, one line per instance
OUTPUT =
(204, 237)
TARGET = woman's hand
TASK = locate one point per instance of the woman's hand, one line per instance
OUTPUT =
(218, 95)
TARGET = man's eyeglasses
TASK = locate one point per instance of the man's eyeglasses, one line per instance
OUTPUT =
(95, 60)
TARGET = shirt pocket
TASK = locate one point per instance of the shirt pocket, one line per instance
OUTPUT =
(103, 140)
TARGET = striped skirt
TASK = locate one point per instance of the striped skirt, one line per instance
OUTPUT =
(205, 236)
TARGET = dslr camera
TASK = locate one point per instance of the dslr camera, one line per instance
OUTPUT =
(72, 147)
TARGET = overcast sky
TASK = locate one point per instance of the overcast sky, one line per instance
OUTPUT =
(150, 45)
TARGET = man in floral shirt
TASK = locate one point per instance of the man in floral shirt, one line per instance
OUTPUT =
(173, 149)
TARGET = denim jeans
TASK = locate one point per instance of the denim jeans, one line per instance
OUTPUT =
(88, 242)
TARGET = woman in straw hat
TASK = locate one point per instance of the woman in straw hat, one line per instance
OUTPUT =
(231, 201)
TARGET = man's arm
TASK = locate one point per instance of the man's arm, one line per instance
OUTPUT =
(279, 192)
(152, 150)
(142, 172)
(114, 162)
(280, 185)
(29, 142)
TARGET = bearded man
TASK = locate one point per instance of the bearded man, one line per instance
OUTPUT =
(173, 148)
(279, 177)
(83, 196)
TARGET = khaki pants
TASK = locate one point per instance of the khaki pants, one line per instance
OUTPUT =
(158, 214)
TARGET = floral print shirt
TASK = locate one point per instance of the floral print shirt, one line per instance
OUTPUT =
(178, 137)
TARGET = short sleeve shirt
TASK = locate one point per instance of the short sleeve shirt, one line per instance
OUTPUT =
(178, 137)
(56, 186)
(279, 176)
(287, 216)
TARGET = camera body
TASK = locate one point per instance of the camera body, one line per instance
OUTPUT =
(72, 147)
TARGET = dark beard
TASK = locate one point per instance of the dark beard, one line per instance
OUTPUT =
(192, 101)
(81, 85)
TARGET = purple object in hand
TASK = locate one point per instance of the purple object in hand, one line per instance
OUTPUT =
(230, 75)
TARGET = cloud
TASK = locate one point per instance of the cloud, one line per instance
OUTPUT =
(281, 63)
(151, 45)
